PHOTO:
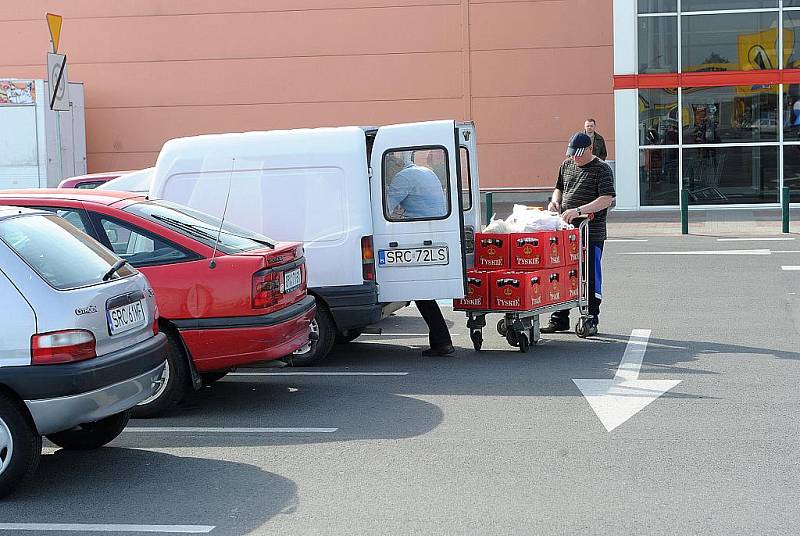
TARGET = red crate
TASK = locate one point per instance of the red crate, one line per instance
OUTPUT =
(491, 251)
(509, 290)
(537, 290)
(571, 280)
(527, 251)
(572, 245)
(477, 296)
(553, 249)
(552, 281)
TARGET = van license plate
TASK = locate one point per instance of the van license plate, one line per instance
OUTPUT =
(126, 317)
(291, 280)
(414, 256)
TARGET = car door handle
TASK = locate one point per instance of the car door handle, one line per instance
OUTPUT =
(428, 242)
(392, 244)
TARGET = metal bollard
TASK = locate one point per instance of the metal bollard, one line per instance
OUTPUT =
(684, 211)
(785, 208)
(489, 211)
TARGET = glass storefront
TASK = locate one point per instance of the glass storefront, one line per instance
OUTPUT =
(658, 45)
(737, 114)
(731, 175)
(723, 144)
(729, 42)
(659, 182)
(791, 171)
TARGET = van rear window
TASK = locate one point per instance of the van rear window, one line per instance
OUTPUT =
(62, 255)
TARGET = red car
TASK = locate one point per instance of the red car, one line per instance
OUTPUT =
(227, 296)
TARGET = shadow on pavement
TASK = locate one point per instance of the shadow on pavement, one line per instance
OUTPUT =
(118, 485)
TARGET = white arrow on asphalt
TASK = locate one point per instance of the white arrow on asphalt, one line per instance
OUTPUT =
(615, 401)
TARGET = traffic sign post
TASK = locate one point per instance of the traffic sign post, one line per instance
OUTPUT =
(54, 23)
(57, 82)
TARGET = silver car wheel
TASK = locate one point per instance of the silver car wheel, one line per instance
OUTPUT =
(6, 446)
(161, 387)
(307, 348)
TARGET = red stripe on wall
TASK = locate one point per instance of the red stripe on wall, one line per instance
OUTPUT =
(707, 79)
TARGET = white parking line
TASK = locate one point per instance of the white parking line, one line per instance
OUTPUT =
(626, 240)
(791, 268)
(88, 527)
(318, 374)
(770, 239)
(225, 430)
(786, 250)
(721, 252)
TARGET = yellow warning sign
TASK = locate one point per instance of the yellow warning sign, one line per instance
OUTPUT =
(54, 23)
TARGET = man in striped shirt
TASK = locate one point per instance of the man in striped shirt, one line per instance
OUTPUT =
(585, 185)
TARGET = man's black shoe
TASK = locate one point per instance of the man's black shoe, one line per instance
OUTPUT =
(591, 327)
(552, 327)
(443, 350)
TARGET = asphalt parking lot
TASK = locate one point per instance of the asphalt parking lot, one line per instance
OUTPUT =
(383, 441)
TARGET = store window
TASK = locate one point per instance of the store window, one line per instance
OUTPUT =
(659, 182)
(731, 175)
(729, 42)
(658, 116)
(658, 44)
(736, 114)
(791, 36)
(791, 112)
(658, 6)
(791, 171)
(715, 5)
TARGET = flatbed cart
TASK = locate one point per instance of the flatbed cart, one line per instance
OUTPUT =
(521, 328)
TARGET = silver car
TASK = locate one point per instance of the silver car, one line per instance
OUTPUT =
(79, 340)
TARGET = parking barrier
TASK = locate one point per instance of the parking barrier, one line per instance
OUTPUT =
(785, 208)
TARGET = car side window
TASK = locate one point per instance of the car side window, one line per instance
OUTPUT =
(137, 246)
(72, 215)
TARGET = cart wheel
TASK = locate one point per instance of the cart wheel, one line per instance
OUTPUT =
(502, 329)
(523, 343)
(512, 338)
(581, 329)
(477, 339)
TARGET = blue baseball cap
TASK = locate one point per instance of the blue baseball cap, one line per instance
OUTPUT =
(578, 143)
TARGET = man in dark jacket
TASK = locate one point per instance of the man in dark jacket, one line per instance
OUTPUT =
(598, 143)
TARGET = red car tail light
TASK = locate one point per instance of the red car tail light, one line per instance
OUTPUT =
(367, 258)
(62, 347)
(266, 288)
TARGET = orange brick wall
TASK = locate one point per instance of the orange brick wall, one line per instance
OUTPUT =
(527, 72)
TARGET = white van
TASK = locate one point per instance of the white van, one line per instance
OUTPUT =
(334, 190)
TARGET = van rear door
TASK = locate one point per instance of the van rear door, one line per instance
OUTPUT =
(417, 212)
(470, 187)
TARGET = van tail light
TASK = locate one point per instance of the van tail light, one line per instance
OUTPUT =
(155, 322)
(62, 347)
(266, 288)
(367, 258)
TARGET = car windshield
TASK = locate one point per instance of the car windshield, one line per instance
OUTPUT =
(62, 255)
(200, 226)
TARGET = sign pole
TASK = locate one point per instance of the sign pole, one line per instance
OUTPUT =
(58, 125)
(54, 25)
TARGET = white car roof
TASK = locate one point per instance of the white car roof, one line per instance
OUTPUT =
(135, 181)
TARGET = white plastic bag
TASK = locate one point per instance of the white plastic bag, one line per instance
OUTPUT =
(526, 219)
(497, 227)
